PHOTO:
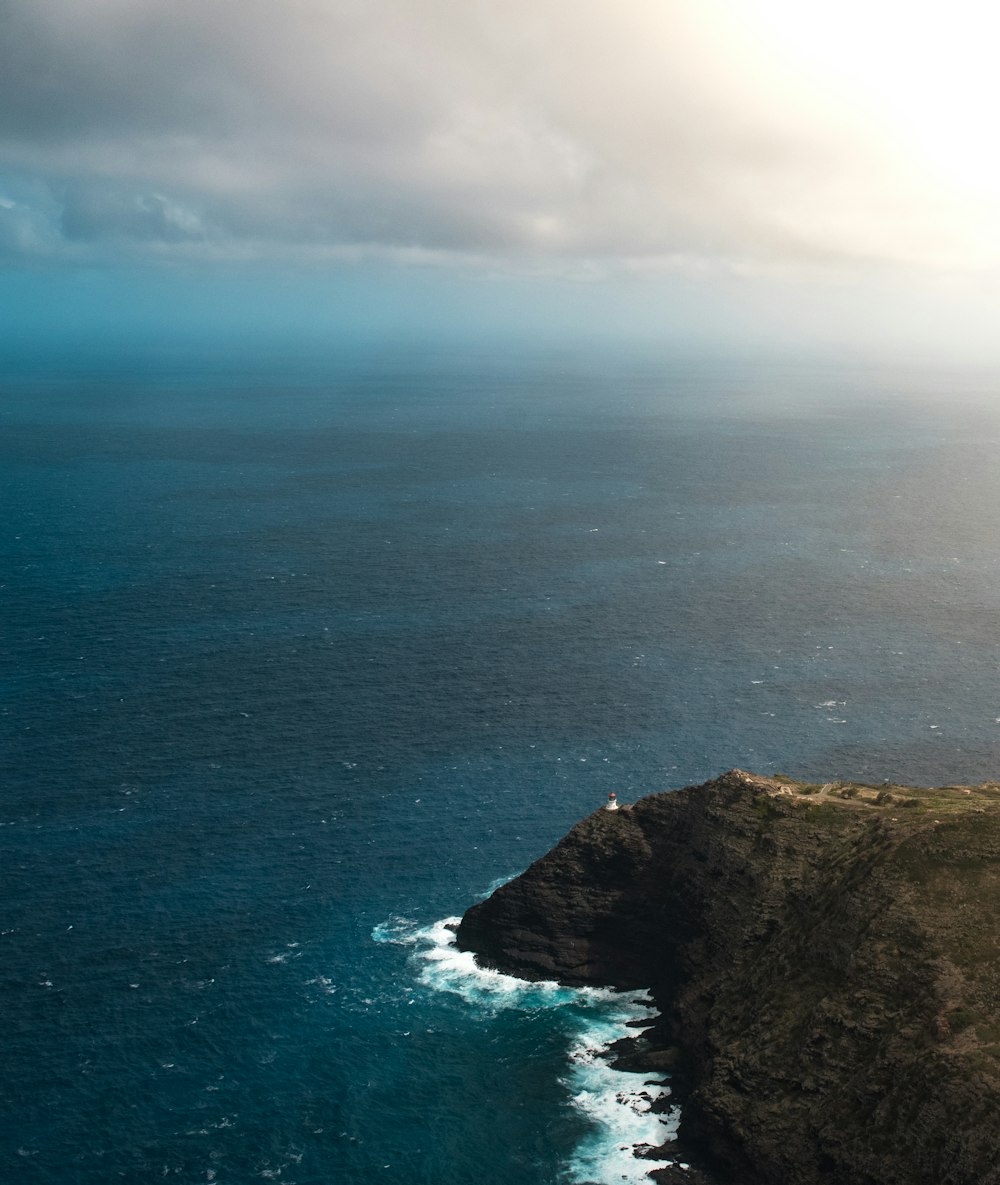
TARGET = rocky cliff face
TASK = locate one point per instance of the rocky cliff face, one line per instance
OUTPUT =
(827, 957)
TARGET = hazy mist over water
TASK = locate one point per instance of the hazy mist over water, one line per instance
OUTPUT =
(297, 661)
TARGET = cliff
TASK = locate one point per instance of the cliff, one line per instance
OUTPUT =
(826, 957)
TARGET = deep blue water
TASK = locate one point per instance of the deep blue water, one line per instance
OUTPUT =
(295, 663)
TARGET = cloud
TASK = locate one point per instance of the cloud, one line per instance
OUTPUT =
(633, 135)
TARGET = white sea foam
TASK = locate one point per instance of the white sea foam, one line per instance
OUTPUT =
(615, 1104)
(397, 930)
(445, 968)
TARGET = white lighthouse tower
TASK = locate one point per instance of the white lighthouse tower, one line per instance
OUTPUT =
(612, 803)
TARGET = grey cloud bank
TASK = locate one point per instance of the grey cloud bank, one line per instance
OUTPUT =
(643, 135)
(760, 172)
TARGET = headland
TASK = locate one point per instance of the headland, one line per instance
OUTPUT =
(825, 959)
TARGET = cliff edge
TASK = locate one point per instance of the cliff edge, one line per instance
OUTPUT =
(826, 957)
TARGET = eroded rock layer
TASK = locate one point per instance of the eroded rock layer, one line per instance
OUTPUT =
(827, 958)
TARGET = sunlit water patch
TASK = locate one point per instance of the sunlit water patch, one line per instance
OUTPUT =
(617, 1106)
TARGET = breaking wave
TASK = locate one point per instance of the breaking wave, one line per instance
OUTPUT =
(617, 1106)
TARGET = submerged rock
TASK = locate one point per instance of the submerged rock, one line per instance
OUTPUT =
(826, 957)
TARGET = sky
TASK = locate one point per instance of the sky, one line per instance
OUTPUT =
(713, 174)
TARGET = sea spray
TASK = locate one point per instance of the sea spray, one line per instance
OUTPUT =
(617, 1103)
(617, 1106)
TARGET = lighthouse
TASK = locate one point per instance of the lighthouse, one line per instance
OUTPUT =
(612, 803)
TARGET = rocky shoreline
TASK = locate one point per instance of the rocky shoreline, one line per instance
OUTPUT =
(825, 960)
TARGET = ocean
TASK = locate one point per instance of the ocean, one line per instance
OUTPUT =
(298, 662)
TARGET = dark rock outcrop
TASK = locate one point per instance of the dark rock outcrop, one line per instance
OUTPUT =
(826, 957)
